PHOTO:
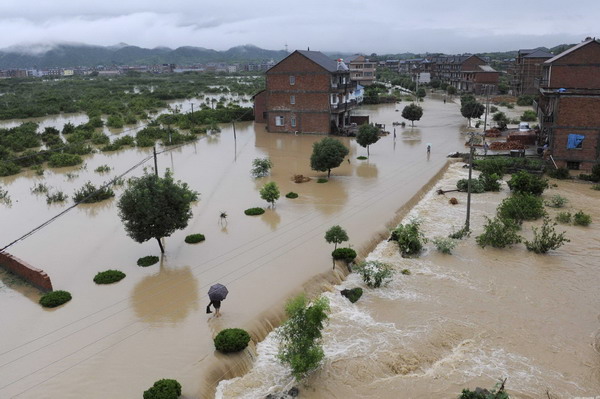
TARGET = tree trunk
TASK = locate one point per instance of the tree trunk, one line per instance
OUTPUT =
(368, 155)
(162, 250)
(328, 173)
(334, 246)
(412, 123)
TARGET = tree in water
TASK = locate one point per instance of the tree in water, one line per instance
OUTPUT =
(336, 235)
(471, 109)
(413, 113)
(270, 193)
(155, 207)
(367, 134)
(327, 154)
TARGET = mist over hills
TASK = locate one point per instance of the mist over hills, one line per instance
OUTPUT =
(42, 56)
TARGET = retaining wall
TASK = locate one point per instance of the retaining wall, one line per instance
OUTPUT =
(34, 276)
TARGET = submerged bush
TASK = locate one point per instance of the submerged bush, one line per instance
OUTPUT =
(353, 294)
(58, 160)
(490, 181)
(409, 238)
(521, 207)
(89, 194)
(109, 277)
(231, 340)
(499, 233)
(545, 238)
(582, 219)
(564, 217)
(444, 244)
(476, 185)
(345, 254)
(322, 180)
(147, 261)
(194, 238)
(557, 201)
(291, 195)
(261, 167)
(164, 389)
(523, 182)
(375, 273)
(254, 211)
(58, 196)
(55, 298)
(560, 173)
(362, 157)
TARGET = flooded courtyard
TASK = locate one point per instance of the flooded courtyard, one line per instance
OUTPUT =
(456, 321)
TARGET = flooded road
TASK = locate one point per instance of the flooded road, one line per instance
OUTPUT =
(153, 325)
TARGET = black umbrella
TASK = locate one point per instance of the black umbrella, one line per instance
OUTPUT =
(217, 292)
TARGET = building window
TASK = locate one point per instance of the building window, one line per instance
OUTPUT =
(575, 141)
(293, 122)
(265, 115)
(292, 99)
(292, 80)
(334, 99)
(279, 121)
(573, 165)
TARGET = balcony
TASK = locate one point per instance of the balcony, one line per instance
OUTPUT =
(345, 106)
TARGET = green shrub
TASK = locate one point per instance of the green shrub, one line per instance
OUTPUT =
(525, 100)
(528, 116)
(406, 272)
(353, 294)
(595, 187)
(375, 273)
(261, 167)
(497, 392)
(499, 233)
(409, 238)
(58, 160)
(109, 277)
(89, 194)
(55, 298)
(322, 180)
(147, 261)
(564, 217)
(231, 340)
(362, 157)
(164, 389)
(521, 207)
(490, 181)
(560, 173)
(476, 185)
(291, 195)
(582, 219)
(40, 188)
(545, 238)
(523, 182)
(557, 201)
(254, 211)
(194, 238)
(102, 169)
(100, 138)
(345, 254)
(444, 244)
(58, 196)
(460, 234)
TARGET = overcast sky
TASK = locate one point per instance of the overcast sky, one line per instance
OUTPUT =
(368, 26)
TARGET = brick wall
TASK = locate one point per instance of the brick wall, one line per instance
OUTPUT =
(579, 69)
(260, 107)
(36, 277)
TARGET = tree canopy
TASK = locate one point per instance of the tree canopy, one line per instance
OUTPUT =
(471, 109)
(155, 207)
(270, 192)
(336, 235)
(413, 113)
(367, 134)
(261, 167)
(327, 154)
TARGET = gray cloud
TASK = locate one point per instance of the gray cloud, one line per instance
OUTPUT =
(382, 26)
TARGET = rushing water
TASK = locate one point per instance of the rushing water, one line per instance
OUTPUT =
(152, 324)
(460, 320)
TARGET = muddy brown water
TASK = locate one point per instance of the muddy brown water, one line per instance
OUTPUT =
(115, 341)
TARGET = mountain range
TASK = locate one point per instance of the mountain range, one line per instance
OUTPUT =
(79, 55)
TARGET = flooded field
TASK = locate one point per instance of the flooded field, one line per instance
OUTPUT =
(460, 320)
(153, 324)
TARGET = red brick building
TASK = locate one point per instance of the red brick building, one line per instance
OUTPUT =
(306, 92)
(569, 106)
(527, 70)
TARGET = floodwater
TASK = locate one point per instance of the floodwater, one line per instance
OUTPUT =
(461, 320)
(153, 325)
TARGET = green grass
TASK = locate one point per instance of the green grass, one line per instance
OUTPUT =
(147, 261)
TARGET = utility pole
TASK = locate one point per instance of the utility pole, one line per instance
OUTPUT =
(234, 135)
(467, 222)
(487, 106)
(155, 161)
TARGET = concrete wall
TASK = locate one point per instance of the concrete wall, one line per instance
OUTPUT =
(36, 277)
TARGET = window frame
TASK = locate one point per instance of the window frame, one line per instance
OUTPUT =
(293, 121)
(292, 80)
(279, 120)
(292, 99)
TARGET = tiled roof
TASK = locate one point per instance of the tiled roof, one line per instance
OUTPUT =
(322, 60)
(569, 51)
(539, 54)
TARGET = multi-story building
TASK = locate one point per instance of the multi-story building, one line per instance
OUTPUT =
(527, 70)
(306, 92)
(362, 71)
(569, 104)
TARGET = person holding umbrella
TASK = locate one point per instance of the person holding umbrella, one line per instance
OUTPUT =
(216, 294)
